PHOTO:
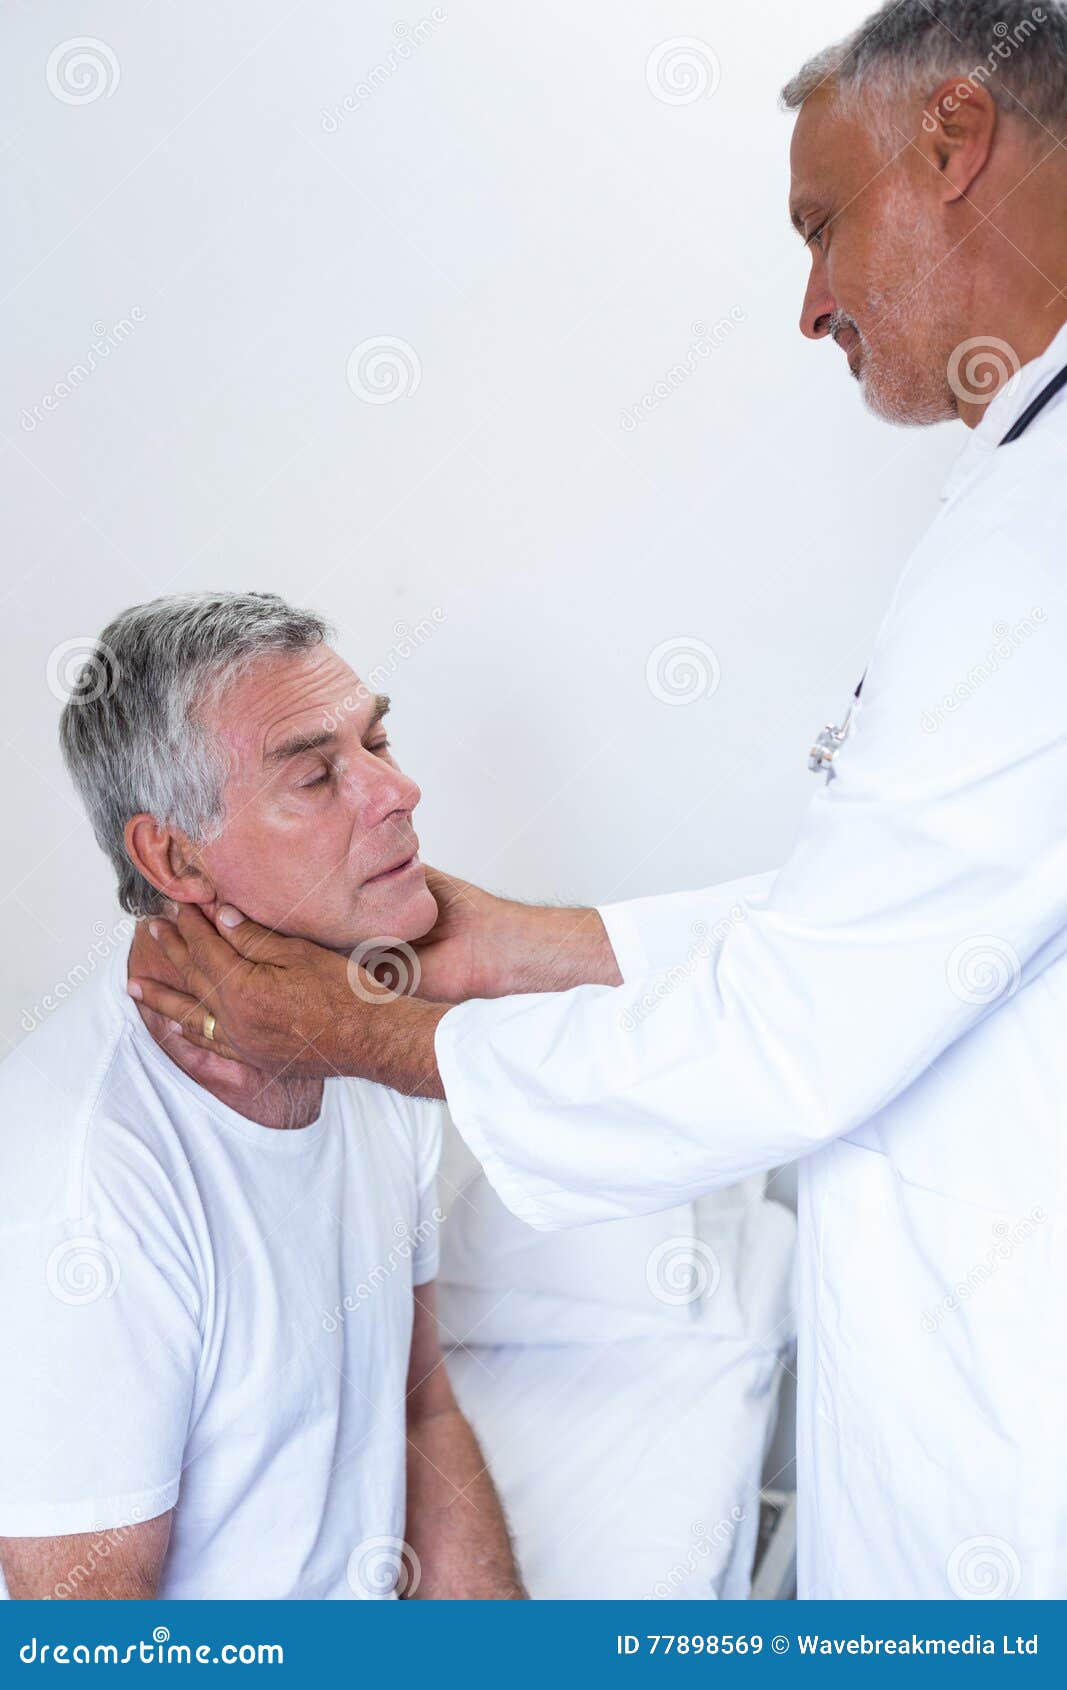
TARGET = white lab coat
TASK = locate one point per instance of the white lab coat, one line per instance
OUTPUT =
(892, 1008)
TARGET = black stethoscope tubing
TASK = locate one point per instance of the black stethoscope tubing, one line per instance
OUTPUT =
(1019, 426)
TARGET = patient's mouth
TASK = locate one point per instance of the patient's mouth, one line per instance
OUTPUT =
(396, 871)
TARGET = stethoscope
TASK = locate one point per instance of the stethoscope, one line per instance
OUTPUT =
(829, 742)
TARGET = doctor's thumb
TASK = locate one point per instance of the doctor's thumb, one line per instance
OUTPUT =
(248, 938)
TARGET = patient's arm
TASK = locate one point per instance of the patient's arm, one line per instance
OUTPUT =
(487, 947)
(455, 1524)
(122, 1564)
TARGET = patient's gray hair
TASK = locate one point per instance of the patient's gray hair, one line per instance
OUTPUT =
(132, 731)
(907, 48)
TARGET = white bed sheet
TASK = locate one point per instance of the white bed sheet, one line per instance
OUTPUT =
(627, 1470)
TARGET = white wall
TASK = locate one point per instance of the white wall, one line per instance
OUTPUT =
(515, 203)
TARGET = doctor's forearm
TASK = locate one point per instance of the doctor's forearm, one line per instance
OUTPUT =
(391, 1043)
(534, 948)
(539, 950)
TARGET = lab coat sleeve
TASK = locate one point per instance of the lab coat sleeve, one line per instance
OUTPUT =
(653, 936)
(929, 882)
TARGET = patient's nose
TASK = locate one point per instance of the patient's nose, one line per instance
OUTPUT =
(381, 790)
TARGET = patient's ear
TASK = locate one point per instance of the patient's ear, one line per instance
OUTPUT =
(166, 859)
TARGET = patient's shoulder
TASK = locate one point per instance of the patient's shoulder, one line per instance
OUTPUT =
(415, 1124)
(424, 1121)
(70, 1106)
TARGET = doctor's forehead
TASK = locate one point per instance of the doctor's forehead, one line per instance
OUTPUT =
(831, 154)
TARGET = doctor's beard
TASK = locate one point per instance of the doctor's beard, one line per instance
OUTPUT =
(912, 317)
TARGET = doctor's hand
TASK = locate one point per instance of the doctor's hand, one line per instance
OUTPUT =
(281, 1004)
(482, 946)
(469, 951)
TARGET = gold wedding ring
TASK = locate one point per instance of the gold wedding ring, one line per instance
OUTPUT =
(209, 1026)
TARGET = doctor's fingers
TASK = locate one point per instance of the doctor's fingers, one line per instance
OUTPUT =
(187, 1015)
(188, 1005)
(202, 959)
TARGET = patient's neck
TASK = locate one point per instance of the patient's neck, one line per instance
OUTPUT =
(285, 1101)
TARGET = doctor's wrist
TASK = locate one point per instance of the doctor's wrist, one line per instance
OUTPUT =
(552, 950)
(485, 946)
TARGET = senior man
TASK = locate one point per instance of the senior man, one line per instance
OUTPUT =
(890, 1008)
(216, 1284)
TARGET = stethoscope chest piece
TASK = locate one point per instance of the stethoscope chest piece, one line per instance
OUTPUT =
(829, 742)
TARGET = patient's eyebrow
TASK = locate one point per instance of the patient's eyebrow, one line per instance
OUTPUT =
(297, 743)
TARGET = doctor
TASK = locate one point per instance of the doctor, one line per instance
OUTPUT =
(889, 1008)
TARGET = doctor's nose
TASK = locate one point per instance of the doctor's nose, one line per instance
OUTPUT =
(818, 307)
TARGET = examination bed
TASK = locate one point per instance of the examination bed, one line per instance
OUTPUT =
(623, 1380)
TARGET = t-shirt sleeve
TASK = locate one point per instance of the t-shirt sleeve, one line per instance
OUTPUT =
(427, 1136)
(99, 1333)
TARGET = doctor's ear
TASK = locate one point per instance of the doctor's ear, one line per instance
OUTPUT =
(166, 859)
(956, 133)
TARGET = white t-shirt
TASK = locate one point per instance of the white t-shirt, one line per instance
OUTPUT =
(205, 1314)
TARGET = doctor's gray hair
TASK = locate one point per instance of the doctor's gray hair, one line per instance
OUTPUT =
(907, 48)
(132, 732)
